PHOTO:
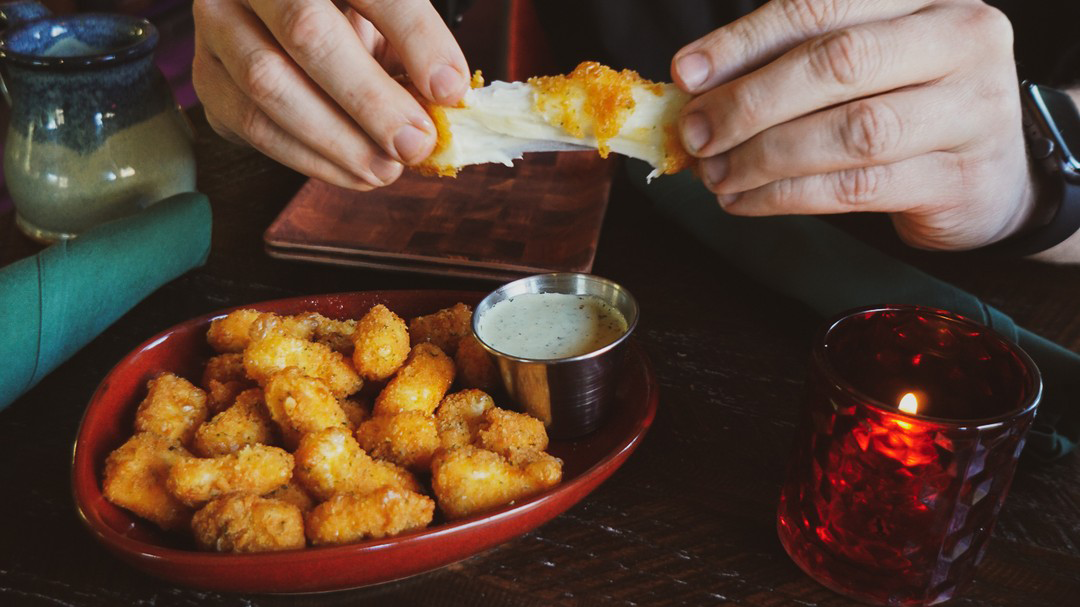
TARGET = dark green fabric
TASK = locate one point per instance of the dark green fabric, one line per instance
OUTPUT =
(54, 303)
(811, 261)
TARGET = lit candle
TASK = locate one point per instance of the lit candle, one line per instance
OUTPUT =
(915, 418)
(909, 403)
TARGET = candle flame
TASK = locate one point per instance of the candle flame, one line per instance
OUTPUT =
(909, 403)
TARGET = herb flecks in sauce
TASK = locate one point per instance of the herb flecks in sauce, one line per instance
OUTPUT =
(551, 325)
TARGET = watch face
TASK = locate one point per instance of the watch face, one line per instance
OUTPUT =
(1062, 121)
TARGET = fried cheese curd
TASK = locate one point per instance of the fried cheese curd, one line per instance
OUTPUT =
(299, 404)
(351, 517)
(224, 378)
(380, 343)
(515, 436)
(330, 461)
(475, 366)
(444, 328)
(275, 352)
(291, 453)
(246, 422)
(248, 523)
(173, 408)
(294, 494)
(356, 411)
(135, 478)
(409, 439)
(592, 107)
(256, 469)
(490, 457)
(459, 416)
(470, 480)
(419, 384)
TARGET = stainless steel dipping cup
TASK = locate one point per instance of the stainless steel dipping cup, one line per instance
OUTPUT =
(571, 395)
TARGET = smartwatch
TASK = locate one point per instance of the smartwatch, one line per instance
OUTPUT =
(1052, 130)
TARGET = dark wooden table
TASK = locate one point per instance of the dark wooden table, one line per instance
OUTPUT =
(688, 520)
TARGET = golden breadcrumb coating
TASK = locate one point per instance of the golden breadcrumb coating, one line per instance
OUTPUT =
(299, 404)
(419, 384)
(351, 517)
(224, 379)
(231, 333)
(356, 411)
(338, 334)
(408, 439)
(249, 523)
(254, 469)
(173, 408)
(444, 328)
(515, 436)
(236, 330)
(470, 480)
(135, 475)
(246, 422)
(381, 343)
(459, 415)
(302, 326)
(294, 494)
(330, 461)
(275, 352)
(608, 100)
(475, 365)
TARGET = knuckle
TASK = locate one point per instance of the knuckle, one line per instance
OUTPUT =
(811, 15)
(869, 130)
(263, 75)
(254, 127)
(746, 109)
(991, 25)
(767, 155)
(845, 57)
(307, 29)
(783, 191)
(856, 188)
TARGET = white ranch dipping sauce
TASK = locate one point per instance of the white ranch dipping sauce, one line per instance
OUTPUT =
(547, 326)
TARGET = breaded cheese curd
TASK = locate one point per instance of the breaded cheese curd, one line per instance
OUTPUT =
(593, 107)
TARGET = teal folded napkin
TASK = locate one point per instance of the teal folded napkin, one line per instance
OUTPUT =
(809, 260)
(55, 302)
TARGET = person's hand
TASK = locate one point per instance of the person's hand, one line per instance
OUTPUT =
(312, 85)
(908, 107)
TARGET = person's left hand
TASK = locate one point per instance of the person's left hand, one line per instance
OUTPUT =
(909, 107)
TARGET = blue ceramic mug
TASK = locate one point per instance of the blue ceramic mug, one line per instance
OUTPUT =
(95, 133)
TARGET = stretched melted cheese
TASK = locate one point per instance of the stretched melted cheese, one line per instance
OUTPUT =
(593, 107)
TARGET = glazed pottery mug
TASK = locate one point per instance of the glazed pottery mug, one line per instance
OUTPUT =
(94, 133)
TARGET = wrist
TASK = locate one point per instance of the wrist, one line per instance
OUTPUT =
(1050, 208)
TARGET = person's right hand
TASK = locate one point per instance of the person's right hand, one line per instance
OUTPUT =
(312, 85)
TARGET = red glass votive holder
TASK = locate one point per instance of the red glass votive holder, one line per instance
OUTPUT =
(894, 507)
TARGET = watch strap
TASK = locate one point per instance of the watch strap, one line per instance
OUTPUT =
(1064, 223)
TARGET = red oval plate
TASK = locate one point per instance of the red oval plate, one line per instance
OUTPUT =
(108, 421)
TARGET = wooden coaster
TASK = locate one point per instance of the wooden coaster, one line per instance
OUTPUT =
(491, 221)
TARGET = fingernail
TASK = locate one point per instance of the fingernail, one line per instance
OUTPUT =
(696, 132)
(412, 144)
(693, 70)
(726, 200)
(386, 170)
(447, 85)
(714, 170)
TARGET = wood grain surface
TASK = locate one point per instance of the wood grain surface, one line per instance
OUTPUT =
(688, 520)
(491, 221)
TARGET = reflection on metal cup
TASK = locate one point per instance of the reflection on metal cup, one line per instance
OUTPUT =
(571, 395)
